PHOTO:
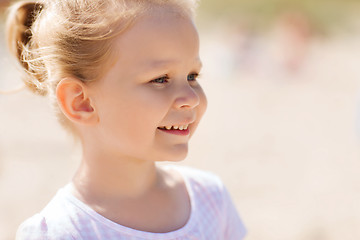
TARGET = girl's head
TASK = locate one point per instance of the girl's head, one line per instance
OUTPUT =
(121, 70)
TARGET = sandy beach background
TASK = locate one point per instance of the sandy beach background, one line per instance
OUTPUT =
(281, 131)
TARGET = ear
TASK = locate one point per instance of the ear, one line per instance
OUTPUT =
(72, 97)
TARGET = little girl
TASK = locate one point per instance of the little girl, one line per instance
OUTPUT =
(123, 77)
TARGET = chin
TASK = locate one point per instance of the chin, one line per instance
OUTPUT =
(178, 159)
(177, 154)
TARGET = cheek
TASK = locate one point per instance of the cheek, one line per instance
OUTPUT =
(136, 114)
(148, 107)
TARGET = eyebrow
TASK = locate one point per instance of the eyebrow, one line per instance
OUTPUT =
(164, 63)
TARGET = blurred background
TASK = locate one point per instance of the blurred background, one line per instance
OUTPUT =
(282, 128)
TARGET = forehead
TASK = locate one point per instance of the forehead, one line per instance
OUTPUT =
(160, 36)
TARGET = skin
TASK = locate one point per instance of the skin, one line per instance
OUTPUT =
(151, 84)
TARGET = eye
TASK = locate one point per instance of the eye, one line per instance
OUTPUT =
(160, 80)
(192, 77)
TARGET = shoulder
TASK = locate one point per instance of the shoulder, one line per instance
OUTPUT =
(53, 222)
(38, 227)
(33, 228)
(214, 202)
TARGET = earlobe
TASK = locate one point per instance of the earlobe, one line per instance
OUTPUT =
(73, 99)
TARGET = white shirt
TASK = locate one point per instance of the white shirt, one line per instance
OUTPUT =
(213, 216)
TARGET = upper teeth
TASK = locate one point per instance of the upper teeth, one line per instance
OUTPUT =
(176, 127)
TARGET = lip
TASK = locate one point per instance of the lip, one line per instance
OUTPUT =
(176, 132)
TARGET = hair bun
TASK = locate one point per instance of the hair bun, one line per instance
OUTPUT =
(21, 18)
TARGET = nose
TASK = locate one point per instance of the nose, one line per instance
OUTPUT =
(188, 97)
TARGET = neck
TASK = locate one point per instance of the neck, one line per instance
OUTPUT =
(102, 177)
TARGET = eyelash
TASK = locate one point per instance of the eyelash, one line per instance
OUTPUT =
(160, 80)
(164, 79)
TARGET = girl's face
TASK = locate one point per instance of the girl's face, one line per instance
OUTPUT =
(152, 86)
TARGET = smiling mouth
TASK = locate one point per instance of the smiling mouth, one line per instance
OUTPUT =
(176, 127)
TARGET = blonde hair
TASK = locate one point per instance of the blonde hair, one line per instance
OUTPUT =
(54, 39)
